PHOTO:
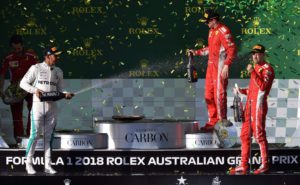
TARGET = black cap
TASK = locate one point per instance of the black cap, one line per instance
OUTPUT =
(52, 51)
(258, 48)
(16, 39)
(208, 15)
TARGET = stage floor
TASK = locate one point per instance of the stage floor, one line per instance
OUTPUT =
(161, 179)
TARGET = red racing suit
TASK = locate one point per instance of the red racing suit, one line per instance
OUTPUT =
(17, 67)
(221, 51)
(256, 110)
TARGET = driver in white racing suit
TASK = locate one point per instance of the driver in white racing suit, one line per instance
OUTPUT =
(43, 77)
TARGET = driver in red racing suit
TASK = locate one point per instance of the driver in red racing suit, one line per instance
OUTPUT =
(17, 63)
(262, 76)
(221, 51)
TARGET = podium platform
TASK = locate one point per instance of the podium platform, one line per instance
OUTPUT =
(159, 153)
(146, 133)
(70, 140)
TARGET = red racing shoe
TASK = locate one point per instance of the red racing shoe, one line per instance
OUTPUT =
(264, 168)
(239, 170)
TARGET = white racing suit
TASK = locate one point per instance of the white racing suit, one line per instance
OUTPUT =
(46, 78)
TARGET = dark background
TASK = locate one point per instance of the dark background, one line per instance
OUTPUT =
(148, 38)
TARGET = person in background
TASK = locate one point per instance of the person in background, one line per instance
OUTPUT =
(17, 62)
(221, 51)
(261, 80)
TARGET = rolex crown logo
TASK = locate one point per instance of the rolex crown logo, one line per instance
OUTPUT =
(87, 2)
(31, 22)
(200, 2)
(143, 21)
(256, 21)
(67, 181)
(199, 43)
(87, 42)
(144, 63)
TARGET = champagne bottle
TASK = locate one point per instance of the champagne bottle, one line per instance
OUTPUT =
(52, 96)
(191, 70)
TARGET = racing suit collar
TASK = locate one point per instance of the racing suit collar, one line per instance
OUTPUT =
(217, 27)
(48, 66)
(261, 63)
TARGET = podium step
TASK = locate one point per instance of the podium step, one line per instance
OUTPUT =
(146, 133)
(73, 141)
(200, 140)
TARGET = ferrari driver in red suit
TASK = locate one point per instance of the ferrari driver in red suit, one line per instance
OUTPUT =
(261, 80)
(221, 51)
(17, 63)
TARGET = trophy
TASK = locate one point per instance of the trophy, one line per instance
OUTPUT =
(13, 94)
(191, 70)
(237, 107)
(226, 133)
